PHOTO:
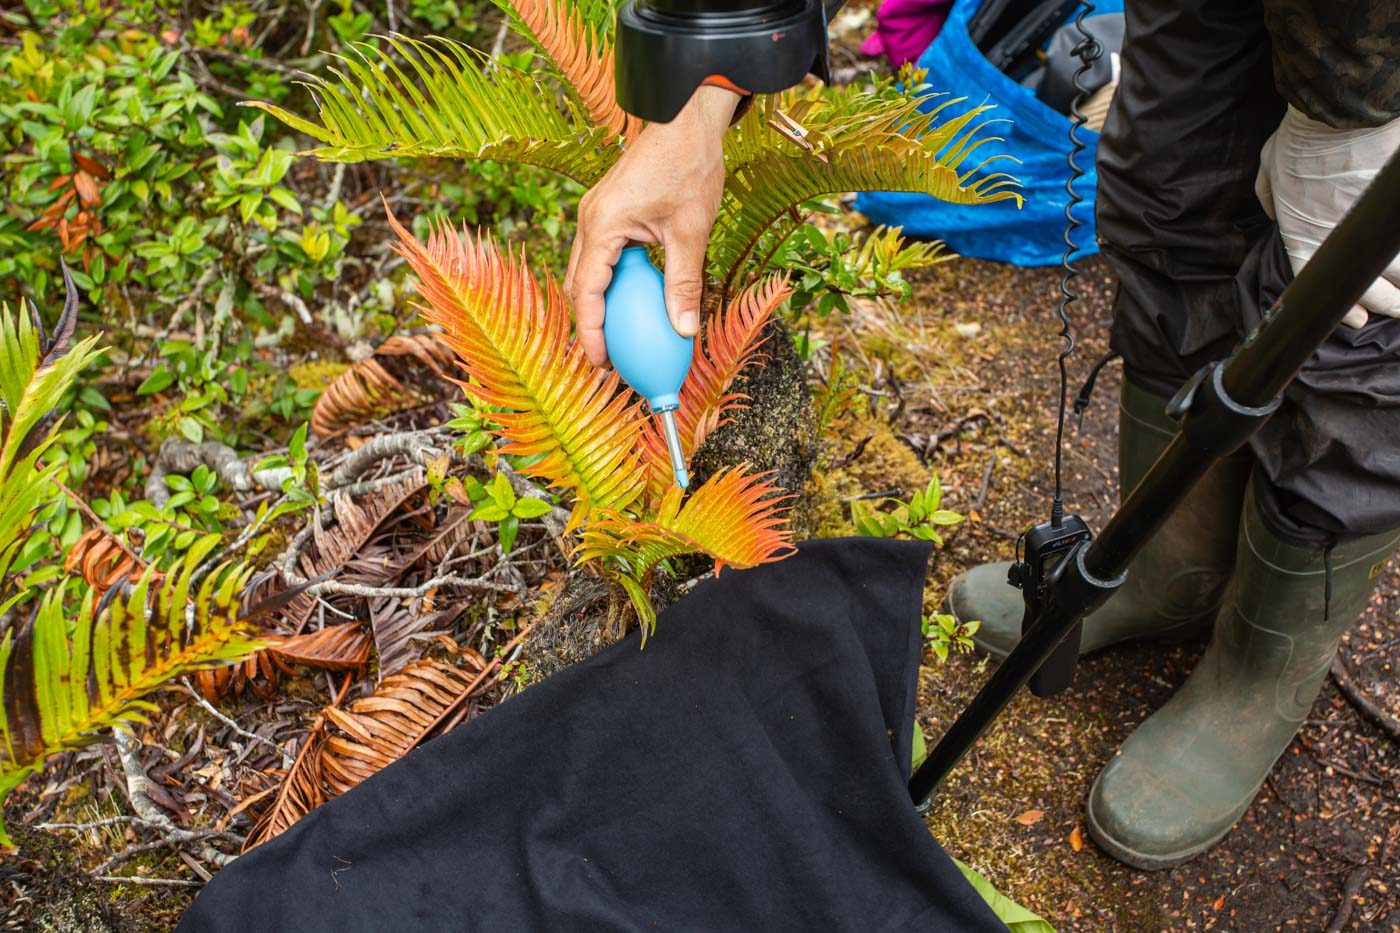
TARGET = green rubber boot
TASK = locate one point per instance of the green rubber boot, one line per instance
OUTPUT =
(1189, 772)
(1174, 586)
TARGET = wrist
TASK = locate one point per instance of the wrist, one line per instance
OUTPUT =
(711, 107)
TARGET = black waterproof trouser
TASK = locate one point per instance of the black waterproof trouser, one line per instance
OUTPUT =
(1198, 263)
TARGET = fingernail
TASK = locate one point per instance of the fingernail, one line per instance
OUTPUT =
(690, 323)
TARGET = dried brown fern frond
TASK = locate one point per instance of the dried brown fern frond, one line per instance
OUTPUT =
(300, 793)
(102, 560)
(403, 372)
(381, 728)
(332, 549)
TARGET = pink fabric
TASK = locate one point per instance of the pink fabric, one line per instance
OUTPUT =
(904, 28)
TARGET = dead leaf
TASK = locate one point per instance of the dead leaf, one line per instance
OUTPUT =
(300, 793)
(1076, 839)
(333, 648)
(380, 729)
(86, 186)
(404, 371)
(1030, 817)
(356, 523)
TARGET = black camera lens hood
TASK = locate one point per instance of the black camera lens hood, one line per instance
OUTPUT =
(665, 49)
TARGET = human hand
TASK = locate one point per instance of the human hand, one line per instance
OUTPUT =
(1309, 176)
(666, 189)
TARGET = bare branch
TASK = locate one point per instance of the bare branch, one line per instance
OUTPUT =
(129, 753)
(411, 592)
(252, 736)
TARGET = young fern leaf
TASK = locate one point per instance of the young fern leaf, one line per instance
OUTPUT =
(445, 100)
(859, 143)
(34, 376)
(730, 344)
(738, 519)
(580, 51)
(62, 690)
(513, 340)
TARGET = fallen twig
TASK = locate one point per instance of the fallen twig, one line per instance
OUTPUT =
(128, 753)
(986, 483)
(136, 879)
(409, 592)
(1363, 704)
(1354, 883)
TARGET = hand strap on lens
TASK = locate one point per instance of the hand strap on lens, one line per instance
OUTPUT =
(665, 49)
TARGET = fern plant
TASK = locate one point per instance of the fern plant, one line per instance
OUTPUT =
(573, 427)
(435, 98)
(36, 371)
(581, 431)
(67, 675)
(64, 690)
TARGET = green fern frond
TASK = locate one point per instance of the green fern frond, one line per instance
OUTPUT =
(62, 690)
(439, 98)
(860, 141)
(33, 380)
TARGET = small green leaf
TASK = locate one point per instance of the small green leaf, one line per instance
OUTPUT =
(531, 508)
(192, 429)
(501, 491)
(296, 447)
(159, 380)
(490, 512)
(510, 526)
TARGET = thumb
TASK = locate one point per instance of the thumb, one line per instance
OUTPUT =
(685, 281)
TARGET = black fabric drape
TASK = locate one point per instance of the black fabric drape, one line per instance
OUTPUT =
(746, 771)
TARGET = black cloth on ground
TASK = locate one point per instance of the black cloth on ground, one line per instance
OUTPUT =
(746, 771)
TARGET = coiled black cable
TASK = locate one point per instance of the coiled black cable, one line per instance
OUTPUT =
(1087, 50)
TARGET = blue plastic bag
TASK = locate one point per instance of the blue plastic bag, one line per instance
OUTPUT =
(1037, 135)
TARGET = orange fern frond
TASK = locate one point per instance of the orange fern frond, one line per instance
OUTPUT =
(513, 340)
(730, 344)
(582, 57)
(737, 518)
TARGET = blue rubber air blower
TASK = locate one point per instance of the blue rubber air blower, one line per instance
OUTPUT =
(644, 348)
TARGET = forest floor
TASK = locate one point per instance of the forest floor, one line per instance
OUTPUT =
(1319, 848)
(959, 381)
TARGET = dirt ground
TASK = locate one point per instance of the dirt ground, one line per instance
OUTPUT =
(973, 361)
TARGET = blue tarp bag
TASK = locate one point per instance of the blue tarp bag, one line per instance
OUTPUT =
(1037, 135)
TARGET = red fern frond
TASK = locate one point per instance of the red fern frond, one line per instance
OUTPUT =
(585, 61)
(736, 518)
(512, 338)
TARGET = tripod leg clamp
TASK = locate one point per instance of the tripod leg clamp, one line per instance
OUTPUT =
(1215, 424)
(1074, 591)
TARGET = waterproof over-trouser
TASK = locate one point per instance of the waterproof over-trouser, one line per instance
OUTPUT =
(1203, 86)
